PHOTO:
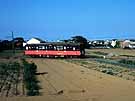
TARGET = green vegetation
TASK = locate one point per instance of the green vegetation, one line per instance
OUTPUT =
(107, 66)
(108, 71)
(95, 56)
(16, 75)
(117, 44)
(127, 62)
(128, 56)
(112, 70)
(132, 73)
(100, 53)
(30, 79)
(123, 62)
(11, 53)
(10, 77)
(121, 65)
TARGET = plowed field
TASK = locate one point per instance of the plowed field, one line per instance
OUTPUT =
(64, 81)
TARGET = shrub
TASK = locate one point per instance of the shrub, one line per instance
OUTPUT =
(30, 79)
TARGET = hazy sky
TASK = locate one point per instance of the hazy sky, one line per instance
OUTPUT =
(58, 19)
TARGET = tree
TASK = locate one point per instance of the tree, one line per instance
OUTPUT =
(6, 45)
(81, 40)
(117, 44)
(1, 46)
(18, 42)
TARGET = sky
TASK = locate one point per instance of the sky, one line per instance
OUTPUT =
(62, 19)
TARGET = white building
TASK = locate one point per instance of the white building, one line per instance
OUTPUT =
(113, 43)
(129, 44)
(33, 41)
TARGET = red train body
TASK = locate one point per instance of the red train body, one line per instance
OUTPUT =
(54, 49)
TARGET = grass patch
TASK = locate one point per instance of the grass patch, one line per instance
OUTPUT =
(10, 53)
(100, 53)
(93, 56)
(122, 63)
(132, 73)
(127, 62)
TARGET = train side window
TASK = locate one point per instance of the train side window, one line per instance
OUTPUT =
(43, 47)
(55, 48)
(27, 48)
(32, 48)
(71, 48)
(49, 47)
(46, 47)
(59, 48)
(40, 47)
(74, 48)
(37, 47)
(77, 47)
(68, 48)
(65, 48)
(52, 47)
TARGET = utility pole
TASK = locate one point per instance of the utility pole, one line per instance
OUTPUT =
(13, 45)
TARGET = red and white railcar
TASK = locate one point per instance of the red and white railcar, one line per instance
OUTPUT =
(54, 49)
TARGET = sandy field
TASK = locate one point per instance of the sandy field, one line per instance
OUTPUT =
(64, 81)
(119, 51)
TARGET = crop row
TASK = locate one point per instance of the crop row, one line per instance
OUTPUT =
(30, 80)
(9, 78)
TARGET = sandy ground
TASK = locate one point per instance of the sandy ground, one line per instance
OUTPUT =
(76, 83)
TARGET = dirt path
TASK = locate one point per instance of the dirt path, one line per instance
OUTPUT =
(65, 81)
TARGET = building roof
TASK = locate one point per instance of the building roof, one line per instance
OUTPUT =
(35, 41)
(38, 39)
